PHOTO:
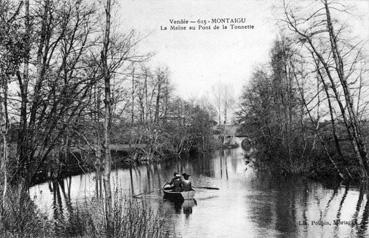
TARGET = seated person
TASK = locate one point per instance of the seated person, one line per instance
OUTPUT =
(186, 183)
(176, 182)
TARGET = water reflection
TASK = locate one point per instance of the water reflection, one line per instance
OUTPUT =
(249, 203)
(179, 207)
(362, 227)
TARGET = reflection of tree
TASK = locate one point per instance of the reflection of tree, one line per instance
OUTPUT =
(223, 158)
(338, 216)
(131, 179)
(221, 163)
(285, 208)
(148, 174)
(157, 172)
(279, 207)
(364, 220)
(334, 194)
(262, 212)
(138, 176)
(66, 194)
(342, 201)
(305, 200)
(73, 214)
(57, 204)
(226, 165)
(234, 162)
(358, 204)
(204, 166)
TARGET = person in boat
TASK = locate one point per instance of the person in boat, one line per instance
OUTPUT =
(176, 182)
(186, 183)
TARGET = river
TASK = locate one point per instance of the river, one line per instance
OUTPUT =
(248, 203)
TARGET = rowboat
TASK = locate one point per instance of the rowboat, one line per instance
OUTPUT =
(177, 196)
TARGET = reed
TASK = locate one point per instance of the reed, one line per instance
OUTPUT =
(131, 218)
(19, 217)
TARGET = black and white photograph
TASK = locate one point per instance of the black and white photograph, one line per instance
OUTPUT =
(184, 118)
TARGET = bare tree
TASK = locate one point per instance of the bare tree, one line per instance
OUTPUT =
(217, 94)
(337, 60)
(107, 118)
(223, 100)
(228, 101)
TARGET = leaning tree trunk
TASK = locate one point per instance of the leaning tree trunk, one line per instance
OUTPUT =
(357, 140)
(325, 87)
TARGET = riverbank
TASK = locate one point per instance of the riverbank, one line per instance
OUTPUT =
(318, 169)
(316, 166)
(60, 166)
(130, 218)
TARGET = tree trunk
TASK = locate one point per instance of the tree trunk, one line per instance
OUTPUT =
(339, 172)
(334, 71)
(157, 105)
(358, 143)
(146, 99)
(225, 113)
(166, 98)
(99, 159)
(3, 128)
(325, 86)
(133, 96)
(107, 120)
(22, 141)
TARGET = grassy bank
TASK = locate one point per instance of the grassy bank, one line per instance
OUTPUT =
(131, 218)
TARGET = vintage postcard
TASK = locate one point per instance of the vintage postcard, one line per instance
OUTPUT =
(184, 118)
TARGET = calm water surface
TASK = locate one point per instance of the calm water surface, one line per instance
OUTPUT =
(248, 204)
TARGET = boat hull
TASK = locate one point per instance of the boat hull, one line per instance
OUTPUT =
(179, 196)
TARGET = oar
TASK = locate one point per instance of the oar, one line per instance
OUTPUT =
(145, 193)
(212, 188)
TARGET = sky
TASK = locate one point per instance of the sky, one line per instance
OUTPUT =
(198, 60)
